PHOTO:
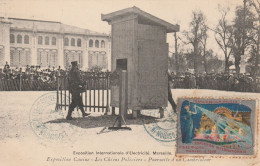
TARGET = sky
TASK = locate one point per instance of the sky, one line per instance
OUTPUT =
(87, 13)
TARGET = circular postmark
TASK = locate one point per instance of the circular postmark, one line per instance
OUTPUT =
(163, 130)
(47, 122)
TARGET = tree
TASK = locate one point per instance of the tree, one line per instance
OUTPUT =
(256, 6)
(176, 52)
(189, 57)
(182, 65)
(195, 35)
(214, 64)
(224, 36)
(171, 63)
(243, 27)
(204, 44)
(252, 59)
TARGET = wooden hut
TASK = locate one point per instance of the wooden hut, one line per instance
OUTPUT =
(139, 46)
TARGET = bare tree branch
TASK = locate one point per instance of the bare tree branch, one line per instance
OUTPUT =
(224, 35)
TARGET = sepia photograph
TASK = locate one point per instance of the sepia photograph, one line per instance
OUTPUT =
(129, 82)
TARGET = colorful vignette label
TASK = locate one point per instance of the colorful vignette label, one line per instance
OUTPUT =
(216, 126)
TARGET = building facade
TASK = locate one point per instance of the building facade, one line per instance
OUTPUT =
(51, 44)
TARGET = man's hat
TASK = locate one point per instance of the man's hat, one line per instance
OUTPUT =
(74, 63)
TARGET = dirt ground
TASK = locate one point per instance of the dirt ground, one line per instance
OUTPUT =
(23, 141)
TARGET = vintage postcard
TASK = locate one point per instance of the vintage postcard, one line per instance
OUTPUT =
(119, 82)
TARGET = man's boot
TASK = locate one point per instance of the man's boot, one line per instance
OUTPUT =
(69, 115)
(84, 113)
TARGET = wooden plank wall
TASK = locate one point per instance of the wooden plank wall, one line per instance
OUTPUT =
(122, 47)
(151, 32)
(152, 66)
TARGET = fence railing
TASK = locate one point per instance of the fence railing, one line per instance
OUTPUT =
(26, 85)
(96, 81)
(96, 95)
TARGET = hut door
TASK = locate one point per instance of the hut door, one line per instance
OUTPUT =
(152, 74)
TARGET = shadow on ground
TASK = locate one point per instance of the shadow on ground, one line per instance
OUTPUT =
(104, 121)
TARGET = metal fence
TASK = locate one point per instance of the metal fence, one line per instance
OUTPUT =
(96, 96)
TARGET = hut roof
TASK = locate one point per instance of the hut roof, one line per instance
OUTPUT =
(143, 18)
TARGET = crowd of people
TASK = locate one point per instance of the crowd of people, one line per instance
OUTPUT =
(216, 81)
(30, 73)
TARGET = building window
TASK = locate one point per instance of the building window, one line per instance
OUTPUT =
(72, 42)
(47, 40)
(79, 42)
(20, 57)
(103, 44)
(12, 39)
(40, 40)
(70, 56)
(2, 56)
(19, 39)
(53, 58)
(97, 44)
(27, 57)
(12, 52)
(66, 42)
(53, 41)
(26, 39)
(90, 43)
(98, 59)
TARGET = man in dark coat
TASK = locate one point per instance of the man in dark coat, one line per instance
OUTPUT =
(76, 86)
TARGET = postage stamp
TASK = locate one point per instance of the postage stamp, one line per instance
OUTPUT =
(217, 126)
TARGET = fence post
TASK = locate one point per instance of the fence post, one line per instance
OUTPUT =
(58, 86)
(113, 111)
(122, 103)
(107, 88)
(122, 96)
(20, 80)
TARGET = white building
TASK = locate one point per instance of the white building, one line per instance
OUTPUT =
(47, 43)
